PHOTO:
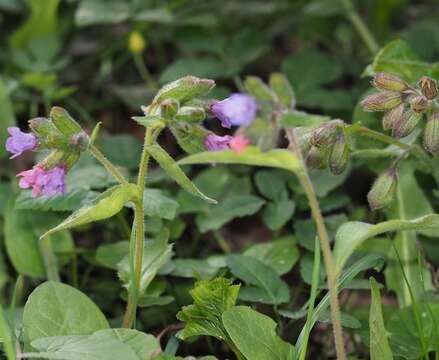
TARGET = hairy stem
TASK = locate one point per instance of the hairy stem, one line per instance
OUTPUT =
(113, 170)
(360, 26)
(307, 186)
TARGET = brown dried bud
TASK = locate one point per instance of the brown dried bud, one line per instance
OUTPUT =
(383, 190)
(431, 134)
(418, 103)
(428, 87)
(390, 117)
(385, 81)
(340, 154)
(382, 101)
(406, 124)
(320, 137)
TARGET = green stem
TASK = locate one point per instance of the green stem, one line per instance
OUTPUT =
(49, 259)
(113, 170)
(5, 335)
(360, 26)
(222, 243)
(307, 186)
(144, 72)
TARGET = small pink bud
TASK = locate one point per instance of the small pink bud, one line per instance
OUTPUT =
(239, 143)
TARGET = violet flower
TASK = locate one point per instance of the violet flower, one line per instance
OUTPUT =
(19, 142)
(48, 182)
(238, 109)
(216, 143)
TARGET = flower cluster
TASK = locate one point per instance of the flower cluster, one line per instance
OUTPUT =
(404, 107)
(63, 136)
(236, 110)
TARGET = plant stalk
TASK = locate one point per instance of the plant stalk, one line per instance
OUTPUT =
(113, 170)
(49, 259)
(307, 186)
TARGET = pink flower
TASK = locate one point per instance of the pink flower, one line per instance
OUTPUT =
(49, 182)
(216, 143)
(239, 143)
(19, 142)
(238, 109)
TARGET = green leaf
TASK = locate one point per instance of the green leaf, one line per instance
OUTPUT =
(277, 214)
(294, 118)
(277, 158)
(193, 268)
(157, 203)
(281, 254)
(122, 150)
(352, 234)
(228, 209)
(211, 300)
(91, 12)
(272, 184)
(398, 58)
(171, 167)
(379, 346)
(7, 117)
(106, 205)
(110, 255)
(208, 67)
(156, 253)
(21, 232)
(55, 309)
(254, 334)
(255, 272)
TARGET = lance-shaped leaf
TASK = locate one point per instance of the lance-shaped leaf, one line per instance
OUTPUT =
(106, 205)
(352, 234)
(379, 345)
(171, 167)
(277, 158)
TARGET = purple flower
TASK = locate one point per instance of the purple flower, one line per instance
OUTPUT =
(19, 141)
(216, 143)
(238, 110)
(49, 182)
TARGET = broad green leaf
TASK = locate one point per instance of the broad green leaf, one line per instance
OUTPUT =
(110, 255)
(211, 300)
(272, 184)
(106, 205)
(256, 273)
(157, 203)
(277, 214)
(21, 233)
(254, 334)
(228, 209)
(172, 168)
(193, 268)
(55, 309)
(156, 253)
(123, 150)
(91, 12)
(352, 234)
(7, 117)
(277, 158)
(399, 59)
(379, 345)
(281, 254)
(296, 118)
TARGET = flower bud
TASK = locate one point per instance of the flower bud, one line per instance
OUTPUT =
(184, 89)
(317, 158)
(431, 134)
(191, 114)
(79, 142)
(385, 81)
(189, 136)
(381, 101)
(392, 116)
(406, 124)
(320, 137)
(283, 90)
(136, 42)
(42, 127)
(340, 155)
(383, 190)
(63, 121)
(418, 103)
(169, 108)
(428, 87)
(70, 160)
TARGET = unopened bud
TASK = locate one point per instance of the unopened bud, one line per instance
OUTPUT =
(418, 103)
(79, 141)
(428, 87)
(431, 134)
(392, 116)
(381, 101)
(191, 114)
(169, 108)
(321, 136)
(189, 136)
(283, 90)
(63, 121)
(259, 90)
(340, 155)
(70, 160)
(383, 190)
(136, 42)
(385, 81)
(184, 89)
(42, 127)
(406, 124)
(317, 158)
